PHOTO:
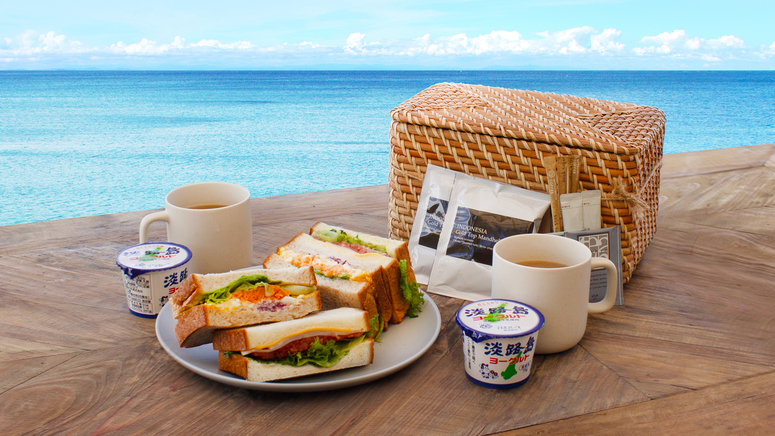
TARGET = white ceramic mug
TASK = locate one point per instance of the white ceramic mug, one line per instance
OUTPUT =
(561, 294)
(220, 238)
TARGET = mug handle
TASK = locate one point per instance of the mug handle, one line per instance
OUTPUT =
(148, 219)
(611, 289)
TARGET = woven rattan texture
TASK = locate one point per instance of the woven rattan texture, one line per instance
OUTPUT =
(504, 134)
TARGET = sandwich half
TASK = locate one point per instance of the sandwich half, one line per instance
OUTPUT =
(206, 302)
(345, 278)
(322, 342)
(404, 292)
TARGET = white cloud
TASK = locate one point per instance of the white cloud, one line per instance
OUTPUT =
(30, 43)
(606, 42)
(574, 41)
(677, 44)
(578, 46)
(729, 41)
(355, 40)
(177, 46)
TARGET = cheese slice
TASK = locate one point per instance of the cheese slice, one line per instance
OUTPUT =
(271, 336)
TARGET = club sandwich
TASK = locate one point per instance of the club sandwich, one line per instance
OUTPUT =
(405, 296)
(325, 341)
(206, 302)
(344, 277)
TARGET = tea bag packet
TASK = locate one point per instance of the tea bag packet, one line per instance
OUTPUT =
(581, 211)
(572, 212)
(481, 212)
(429, 219)
(605, 242)
(590, 203)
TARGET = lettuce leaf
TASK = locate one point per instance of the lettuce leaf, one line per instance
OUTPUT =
(243, 283)
(342, 236)
(377, 325)
(341, 276)
(324, 355)
(411, 291)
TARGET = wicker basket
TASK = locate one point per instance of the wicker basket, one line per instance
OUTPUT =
(504, 134)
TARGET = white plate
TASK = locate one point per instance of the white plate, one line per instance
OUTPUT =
(400, 345)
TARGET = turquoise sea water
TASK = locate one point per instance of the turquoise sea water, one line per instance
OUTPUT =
(84, 143)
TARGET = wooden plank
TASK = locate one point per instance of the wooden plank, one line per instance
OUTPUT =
(17, 372)
(714, 161)
(685, 197)
(319, 205)
(756, 220)
(32, 327)
(742, 407)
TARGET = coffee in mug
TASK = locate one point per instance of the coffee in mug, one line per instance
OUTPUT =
(542, 264)
(555, 281)
(213, 220)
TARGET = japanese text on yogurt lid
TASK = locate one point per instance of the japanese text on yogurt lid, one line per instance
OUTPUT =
(488, 319)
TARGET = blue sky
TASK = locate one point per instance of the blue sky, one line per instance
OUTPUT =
(379, 34)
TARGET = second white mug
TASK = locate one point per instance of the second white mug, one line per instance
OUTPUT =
(213, 220)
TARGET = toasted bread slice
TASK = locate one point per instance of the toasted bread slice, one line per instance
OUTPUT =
(255, 371)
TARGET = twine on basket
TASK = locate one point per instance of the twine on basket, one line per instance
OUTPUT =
(633, 199)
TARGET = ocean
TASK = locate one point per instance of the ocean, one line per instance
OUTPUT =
(77, 143)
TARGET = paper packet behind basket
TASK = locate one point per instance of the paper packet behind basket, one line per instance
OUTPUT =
(429, 219)
(481, 212)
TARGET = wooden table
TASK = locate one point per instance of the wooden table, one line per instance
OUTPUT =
(691, 350)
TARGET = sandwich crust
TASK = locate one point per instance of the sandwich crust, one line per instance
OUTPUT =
(184, 291)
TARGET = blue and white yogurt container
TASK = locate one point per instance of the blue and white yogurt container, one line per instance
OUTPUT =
(499, 339)
(152, 272)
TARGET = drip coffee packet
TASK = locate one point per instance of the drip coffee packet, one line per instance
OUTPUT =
(562, 177)
(429, 219)
(481, 212)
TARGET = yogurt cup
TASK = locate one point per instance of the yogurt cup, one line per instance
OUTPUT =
(499, 339)
(152, 272)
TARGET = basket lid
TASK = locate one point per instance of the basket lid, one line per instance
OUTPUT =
(564, 120)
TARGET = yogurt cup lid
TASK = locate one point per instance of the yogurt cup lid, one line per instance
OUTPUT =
(152, 256)
(496, 318)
